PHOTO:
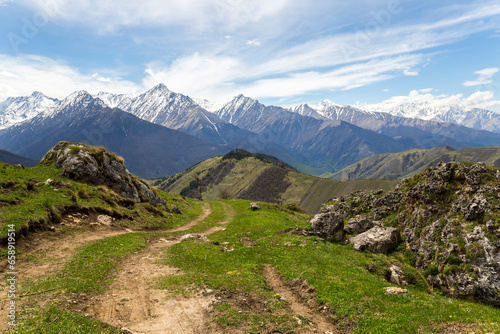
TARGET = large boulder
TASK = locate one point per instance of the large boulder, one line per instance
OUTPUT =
(329, 225)
(358, 224)
(377, 240)
(97, 166)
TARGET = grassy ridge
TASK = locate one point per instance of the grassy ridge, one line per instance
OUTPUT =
(255, 179)
(414, 161)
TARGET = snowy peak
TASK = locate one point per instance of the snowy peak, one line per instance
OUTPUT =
(307, 110)
(79, 100)
(14, 110)
(114, 100)
(208, 105)
(240, 107)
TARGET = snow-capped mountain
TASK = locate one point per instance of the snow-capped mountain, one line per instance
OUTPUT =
(176, 111)
(14, 110)
(77, 101)
(475, 118)
(208, 105)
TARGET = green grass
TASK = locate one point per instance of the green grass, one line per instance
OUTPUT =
(350, 283)
(55, 320)
(23, 203)
(91, 269)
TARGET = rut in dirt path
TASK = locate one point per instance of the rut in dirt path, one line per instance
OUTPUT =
(132, 302)
(320, 323)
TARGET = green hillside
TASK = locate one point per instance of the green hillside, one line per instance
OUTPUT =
(242, 175)
(215, 267)
(414, 161)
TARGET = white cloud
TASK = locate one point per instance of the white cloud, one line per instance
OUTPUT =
(484, 77)
(109, 15)
(481, 99)
(54, 78)
(221, 78)
(254, 42)
(410, 73)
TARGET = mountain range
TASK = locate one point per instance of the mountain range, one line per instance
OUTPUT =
(315, 139)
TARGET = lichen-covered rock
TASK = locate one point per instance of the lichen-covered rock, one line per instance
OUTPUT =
(329, 226)
(358, 224)
(96, 166)
(377, 240)
(449, 217)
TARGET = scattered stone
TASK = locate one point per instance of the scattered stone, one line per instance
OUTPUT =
(254, 206)
(395, 291)
(49, 182)
(396, 275)
(125, 330)
(19, 166)
(329, 226)
(52, 229)
(195, 236)
(105, 220)
(359, 224)
(176, 210)
(377, 240)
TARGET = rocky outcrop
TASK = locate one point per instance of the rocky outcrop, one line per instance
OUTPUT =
(329, 226)
(377, 240)
(358, 224)
(449, 219)
(96, 166)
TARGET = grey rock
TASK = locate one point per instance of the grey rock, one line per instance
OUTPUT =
(359, 224)
(254, 206)
(176, 210)
(377, 240)
(329, 226)
(99, 167)
(476, 208)
(396, 275)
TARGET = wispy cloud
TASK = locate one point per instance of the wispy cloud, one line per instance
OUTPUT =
(484, 77)
(54, 78)
(108, 15)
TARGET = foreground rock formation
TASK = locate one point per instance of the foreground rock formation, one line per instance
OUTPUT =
(97, 166)
(449, 218)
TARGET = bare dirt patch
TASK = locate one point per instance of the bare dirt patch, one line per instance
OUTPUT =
(134, 303)
(321, 322)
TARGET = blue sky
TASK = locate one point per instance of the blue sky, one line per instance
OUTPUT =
(282, 52)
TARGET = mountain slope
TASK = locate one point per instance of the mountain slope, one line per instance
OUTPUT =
(150, 150)
(240, 174)
(414, 161)
(14, 159)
